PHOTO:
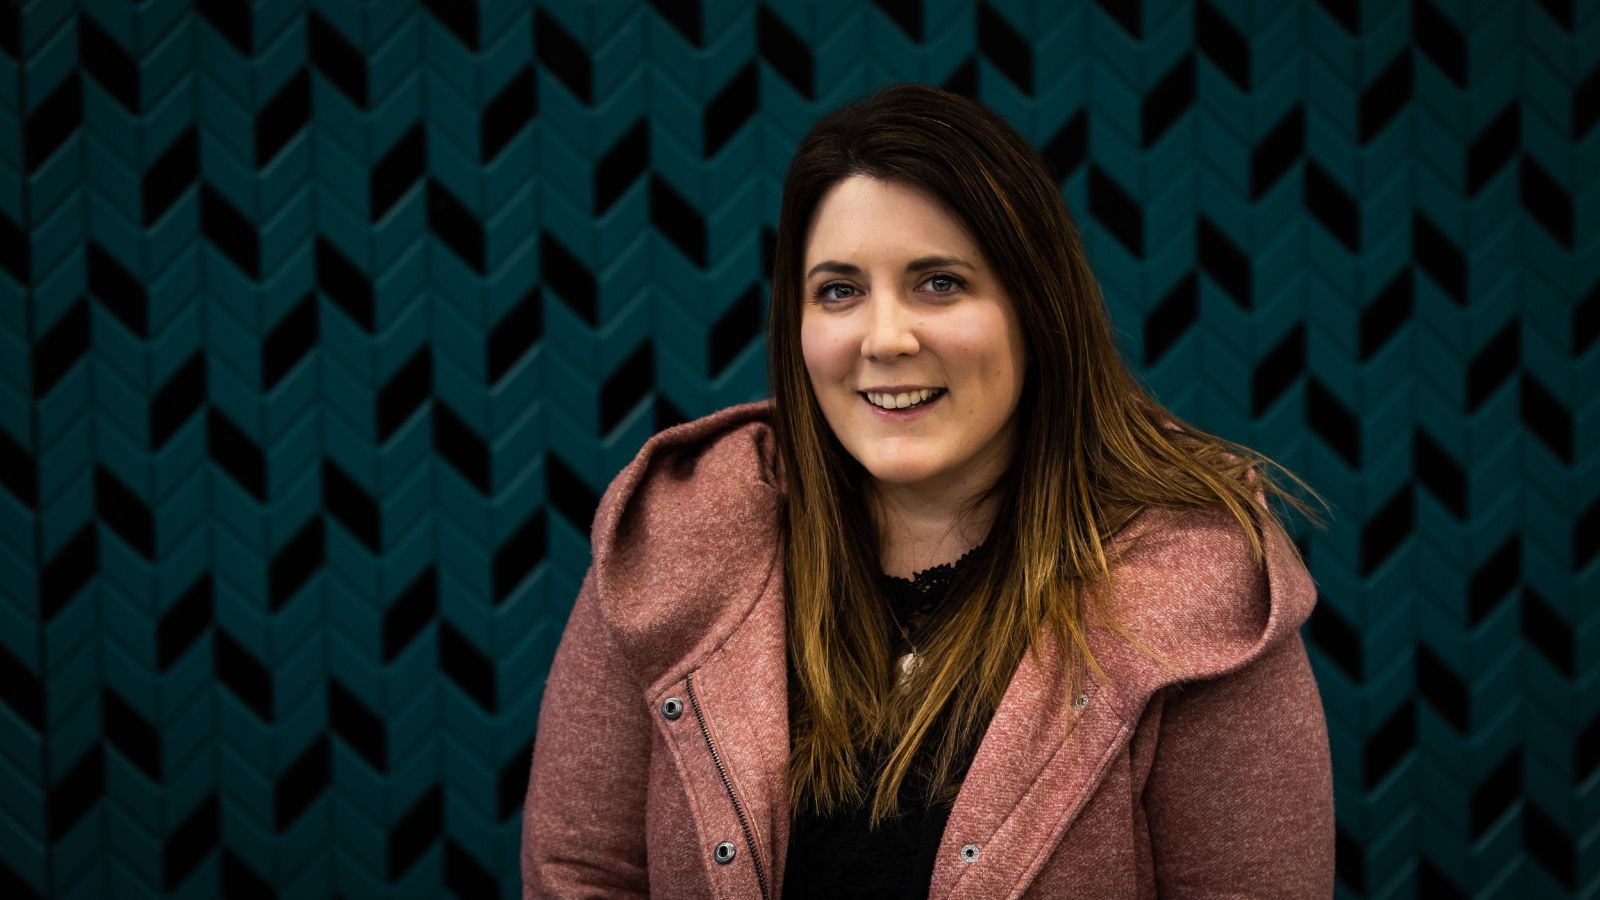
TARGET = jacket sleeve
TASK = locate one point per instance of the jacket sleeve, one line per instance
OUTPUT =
(1239, 799)
(583, 818)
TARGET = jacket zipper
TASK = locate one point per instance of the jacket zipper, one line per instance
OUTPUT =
(749, 841)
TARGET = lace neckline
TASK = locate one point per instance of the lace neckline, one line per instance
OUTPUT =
(932, 578)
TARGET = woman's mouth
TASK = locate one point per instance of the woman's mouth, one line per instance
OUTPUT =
(908, 413)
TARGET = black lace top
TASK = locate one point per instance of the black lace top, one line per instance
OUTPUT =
(837, 856)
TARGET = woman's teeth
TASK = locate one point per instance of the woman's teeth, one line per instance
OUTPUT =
(903, 401)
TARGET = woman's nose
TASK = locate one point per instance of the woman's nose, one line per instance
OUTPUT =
(889, 329)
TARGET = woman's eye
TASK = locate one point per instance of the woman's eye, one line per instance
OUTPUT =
(825, 297)
(828, 299)
(954, 282)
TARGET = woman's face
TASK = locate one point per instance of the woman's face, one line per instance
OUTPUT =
(882, 312)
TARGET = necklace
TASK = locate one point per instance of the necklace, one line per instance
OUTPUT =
(908, 661)
(933, 584)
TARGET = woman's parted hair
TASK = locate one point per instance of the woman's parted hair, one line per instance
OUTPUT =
(1093, 450)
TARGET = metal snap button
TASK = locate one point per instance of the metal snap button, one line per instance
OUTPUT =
(969, 853)
(1081, 702)
(672, 708)
(724, 853)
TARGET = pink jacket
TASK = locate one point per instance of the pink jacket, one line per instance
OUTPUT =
(658, 765)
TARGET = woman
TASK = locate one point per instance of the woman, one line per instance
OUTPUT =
(960, 611)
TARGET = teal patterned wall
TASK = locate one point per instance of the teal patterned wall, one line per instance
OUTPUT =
(326, 323)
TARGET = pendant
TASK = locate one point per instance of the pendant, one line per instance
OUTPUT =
(908, 663)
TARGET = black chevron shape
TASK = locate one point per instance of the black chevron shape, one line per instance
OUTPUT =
(16, 251)
(1005, 48)
(338, 60)
(1443, 689)
(59, 349)
(410, 613)
(184, 623)
(190, 843)
(1561, 11)
(1493, 147)
(1332, 206)
(621, 166)
(686, 18)
(667, 413)
(571, 281)
(1349, 859)
(1115, 208)
(677, 220)
(118, 291)
(1067, 149)
(112, 67)
(77, 792)
(289, 342)
(1586, 321)
(283, 117)
(410, 837)
(519, 555)
(176, 402)
(906, 14)
(507, 114)
(238, 670)
(21, 691)
(511, 782)
(233, 19)
(1544, 415)
(406, 391)
(1340, 641)
(1439, 257)
(236, 454)
(1544, 840)
(1550, 635)
(467, 667)
(736, 329)
(1494, 581)
(459, 446)
(464, 875)
(1167, 101)
(401, 167)
(170, 176)
(1387, 530)
(301, 784)
(1586, 104)
(1586, 751)
(460, 19)
(1332, 421)
(1546, 200)
(52, 122)
(568, 494)
(351, 506)
(1586, 537)
(1384, 97)
(1388, 745)
(1439, 40)
(625, 388)
(1388, 312)
(1494, 364)
(514, 335)
(1222, 259)
(456, 227)
(1129, 15)
(229, 231)
(131, 734)
(1278, 370)
(733, 106)
(11, 46)
(295, 563)
(242, 882)
(65, 574)
(785, 52)
(963, 79)
(19, 471)
(1277, 152)
(358, 726)
(562, 56)
(1440, 473)
(1223, 44)
(345, 285)
(1171, 319)
(1495, 795)
(1433, 883)
(124, 513)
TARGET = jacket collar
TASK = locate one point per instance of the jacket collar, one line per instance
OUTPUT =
(689, 571)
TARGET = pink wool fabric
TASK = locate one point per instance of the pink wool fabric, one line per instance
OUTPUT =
(1211, 782)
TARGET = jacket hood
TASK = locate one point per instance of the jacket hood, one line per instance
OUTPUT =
(686, 538)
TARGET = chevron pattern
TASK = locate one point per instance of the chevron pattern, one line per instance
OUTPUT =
(327, 323)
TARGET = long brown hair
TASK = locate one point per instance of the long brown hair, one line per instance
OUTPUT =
(1093, 450)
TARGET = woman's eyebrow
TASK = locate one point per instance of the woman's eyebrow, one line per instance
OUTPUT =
(921, 262)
